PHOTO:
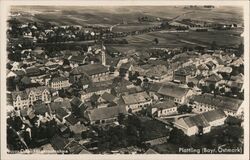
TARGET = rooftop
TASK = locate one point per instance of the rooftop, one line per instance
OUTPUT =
(136, 98)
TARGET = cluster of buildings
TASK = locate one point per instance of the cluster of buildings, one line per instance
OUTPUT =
(80, 89)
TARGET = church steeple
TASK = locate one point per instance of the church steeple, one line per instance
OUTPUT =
(103, 55)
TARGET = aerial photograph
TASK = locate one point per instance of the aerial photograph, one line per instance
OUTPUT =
(125, 79)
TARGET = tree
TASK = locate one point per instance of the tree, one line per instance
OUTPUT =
(214, 45)
(240, 50)
(184, 109)
(222, 90)
(211, 87)
(156, 40)
(121, 118)
(190, 84)
(138, 82)
(66, 62)
(178, 137)
(234, 133)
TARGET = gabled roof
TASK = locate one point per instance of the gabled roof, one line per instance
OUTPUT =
(214, 115)
(220, 102)
(136, 98)
(72, 119)
(90, 69)
(76, 101)
(108, 97)
(41, 109)
(151, 151)
(58, 79)
(22, 94)
(58, 142)
(105, 113)
(173, 91)
(213, 78)
(197, 120)
(60, 113)
(165, 104)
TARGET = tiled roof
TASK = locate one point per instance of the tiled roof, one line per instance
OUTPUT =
(90, 69)
(214, 115)
(197, 120)
(220, 102)
(108, 97)
(59, 79)
(105, 113)
(136, 98)
(72, 119)
(173, 91)
(165, 104)
(22, 94)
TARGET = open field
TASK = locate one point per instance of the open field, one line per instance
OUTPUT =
(170, 39)
(109, 16)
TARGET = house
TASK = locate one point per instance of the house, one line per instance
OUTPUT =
(104, 115)
(175, 93)
(38, 93)
(136, 101)
(98, 90)
(107, 98)
(61, 114)
(163, 108)
(95, 72)
(20, 99)
(214, 79)
(59, 83)
(207, 102)
(201, 123)
(182, 74)
(76, 60)
(157, 73)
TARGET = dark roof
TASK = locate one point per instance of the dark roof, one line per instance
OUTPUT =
(72, 119)
(41, 109)
(26, 80)
(22, 94)
(74, 147)
(108, 97)
(173, 90)
(220, 102)
(33, 71)
(75, 101)
(90, 69)
(154, 87)
(105, 113)
(58, 142)
(60, 113)
(78, 58)
(214, 115)
(165, 104)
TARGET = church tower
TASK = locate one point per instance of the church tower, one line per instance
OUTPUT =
(103, 52)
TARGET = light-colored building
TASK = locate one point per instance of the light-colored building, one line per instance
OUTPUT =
(59, 83)
(135, 102)
(201, 123)
(207, 102)
(175, 93)
(95, 72)
(25, 98)
(164, 108)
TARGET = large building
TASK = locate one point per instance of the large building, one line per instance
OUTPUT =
(104, 115)
(207, 102)
(135, 102)
(175, 93)
(25, 98)
(59, 83)
(201, 123)
(95, 72)
(183, 74)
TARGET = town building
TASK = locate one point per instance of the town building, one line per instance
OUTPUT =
(95, 72)
(207, 102)
(175, 93)
(201, 123)
(163, 108)
(181, 75)
(135, 102)
(104, 115)
(59, 83)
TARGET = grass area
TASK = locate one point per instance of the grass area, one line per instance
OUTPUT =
(166, 148)
(153, 129)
